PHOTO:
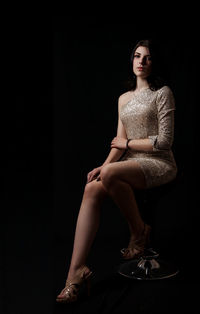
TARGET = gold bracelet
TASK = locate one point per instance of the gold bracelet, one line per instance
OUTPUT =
(127, 147)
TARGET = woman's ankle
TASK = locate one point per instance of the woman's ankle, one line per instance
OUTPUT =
(137, 231)
(74, 269)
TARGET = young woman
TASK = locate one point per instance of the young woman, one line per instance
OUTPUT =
(140, 158)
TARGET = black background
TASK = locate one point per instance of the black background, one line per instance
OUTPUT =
(64, 78)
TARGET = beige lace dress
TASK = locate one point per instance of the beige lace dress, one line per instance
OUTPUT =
(150, 114)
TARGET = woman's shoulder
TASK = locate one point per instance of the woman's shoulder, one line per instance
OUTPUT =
(165, 97)
(165, 90)
(124, 98)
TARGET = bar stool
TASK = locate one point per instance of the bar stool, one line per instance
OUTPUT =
(150, 266)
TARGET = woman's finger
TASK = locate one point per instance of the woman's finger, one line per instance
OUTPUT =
(92, 175)
(98, 178)
(89, 176)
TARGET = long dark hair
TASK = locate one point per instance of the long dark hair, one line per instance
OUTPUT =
(155, 80)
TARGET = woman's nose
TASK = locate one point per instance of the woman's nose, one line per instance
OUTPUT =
(142, 61)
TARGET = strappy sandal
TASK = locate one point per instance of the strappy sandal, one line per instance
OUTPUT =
(136, 247)
(71, 291)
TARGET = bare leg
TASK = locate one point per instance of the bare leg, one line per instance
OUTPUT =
(87, 224)
(89, 214)
(123, 195)
(119, 179)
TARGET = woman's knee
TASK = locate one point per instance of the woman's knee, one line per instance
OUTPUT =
(94, 189)
(107, 175)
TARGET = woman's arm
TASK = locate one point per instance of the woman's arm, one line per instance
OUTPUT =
(116, 153)
(141, 145)
(164, 139)
(166, 106)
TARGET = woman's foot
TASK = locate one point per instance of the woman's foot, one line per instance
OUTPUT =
(137, 245)
(76, 277)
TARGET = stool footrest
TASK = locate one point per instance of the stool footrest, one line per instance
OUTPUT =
(148, 267)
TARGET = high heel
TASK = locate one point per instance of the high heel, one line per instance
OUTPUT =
(70, 293)
(136, 247)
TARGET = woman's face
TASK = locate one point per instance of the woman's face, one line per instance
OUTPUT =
(142, 62)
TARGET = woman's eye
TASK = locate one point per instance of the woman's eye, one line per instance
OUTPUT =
(136, 56)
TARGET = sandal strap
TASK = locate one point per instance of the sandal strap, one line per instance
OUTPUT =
(71, 290)
(72, 287)
(71, 284)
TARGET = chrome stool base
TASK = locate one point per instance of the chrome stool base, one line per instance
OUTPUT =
(148, 267)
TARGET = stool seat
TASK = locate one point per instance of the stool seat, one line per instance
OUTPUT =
(148, 267)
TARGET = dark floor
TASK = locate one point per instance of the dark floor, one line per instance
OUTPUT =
(33, 274)
(36, 259)
(113, 293)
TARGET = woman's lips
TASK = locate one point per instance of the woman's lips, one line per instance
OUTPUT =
(140, 68)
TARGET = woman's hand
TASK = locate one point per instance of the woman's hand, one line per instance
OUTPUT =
(94, 174)
(119, 142)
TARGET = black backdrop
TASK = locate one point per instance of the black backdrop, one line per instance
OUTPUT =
(65, 78)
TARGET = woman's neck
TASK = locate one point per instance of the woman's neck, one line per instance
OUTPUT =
(141, 84)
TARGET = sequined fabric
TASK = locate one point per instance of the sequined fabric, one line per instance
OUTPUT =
(150, 114)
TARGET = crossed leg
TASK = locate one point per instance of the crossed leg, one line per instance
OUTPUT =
(118, 181)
